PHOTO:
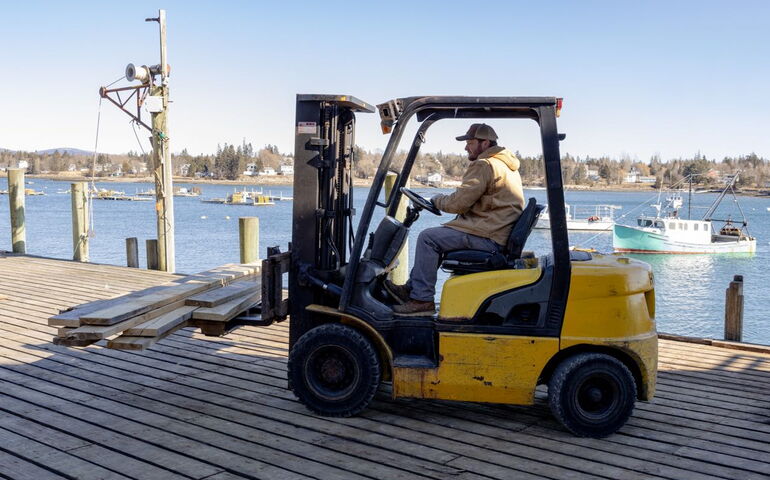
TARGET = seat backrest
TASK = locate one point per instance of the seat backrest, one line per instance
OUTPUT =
(522, 228)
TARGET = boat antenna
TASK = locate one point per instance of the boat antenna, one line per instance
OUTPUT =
(689, 201)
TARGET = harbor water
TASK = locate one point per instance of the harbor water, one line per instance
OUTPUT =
(690, 289)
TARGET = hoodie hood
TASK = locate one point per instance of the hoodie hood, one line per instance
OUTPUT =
(502, 154)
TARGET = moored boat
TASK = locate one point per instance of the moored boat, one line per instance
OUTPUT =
(244, 197)
(667, 232)
(595, 218)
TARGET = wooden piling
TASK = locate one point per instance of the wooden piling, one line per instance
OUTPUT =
(153, 255)
(734, 310)
(400, 274)
(16, 202)
(248, 229)
(132, 252)
(79, 196)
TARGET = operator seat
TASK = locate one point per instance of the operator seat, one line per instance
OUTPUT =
(473, 261)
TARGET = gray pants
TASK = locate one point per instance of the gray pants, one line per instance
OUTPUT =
(431, 243)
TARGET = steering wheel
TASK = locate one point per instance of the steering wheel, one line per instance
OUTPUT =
(420, 202)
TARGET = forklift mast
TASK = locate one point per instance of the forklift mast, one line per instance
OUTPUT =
(323, 201)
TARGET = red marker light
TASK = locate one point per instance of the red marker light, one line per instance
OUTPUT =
(559, 103)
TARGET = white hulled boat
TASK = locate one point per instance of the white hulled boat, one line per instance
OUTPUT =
(666, 232)
(594, 218)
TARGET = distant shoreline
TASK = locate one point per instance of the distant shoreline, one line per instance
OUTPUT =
(287, 181)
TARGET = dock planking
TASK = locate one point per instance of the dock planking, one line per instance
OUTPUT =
(193, 406)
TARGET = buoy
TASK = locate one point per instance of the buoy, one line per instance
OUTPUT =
(204, 217)
(227, 217)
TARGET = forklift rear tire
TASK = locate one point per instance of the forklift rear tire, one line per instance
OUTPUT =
(592, 394)
(334, 370)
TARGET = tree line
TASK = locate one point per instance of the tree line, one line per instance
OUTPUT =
(230, 161)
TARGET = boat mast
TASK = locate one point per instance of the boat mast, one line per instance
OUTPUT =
(689, 200)
(714, 205)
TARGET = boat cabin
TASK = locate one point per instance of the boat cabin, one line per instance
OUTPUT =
(691, 231)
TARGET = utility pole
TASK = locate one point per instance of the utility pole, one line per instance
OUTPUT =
(161, 160)
(154, 97)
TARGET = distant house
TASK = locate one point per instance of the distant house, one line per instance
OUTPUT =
(23, 164)
(592, 174)
(184, 170)
(251, 170)
(435, 178)
(286, 170)
(267, 172)
(632, 176)
(72, 167)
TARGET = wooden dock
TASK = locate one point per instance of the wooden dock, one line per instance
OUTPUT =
(195, 407)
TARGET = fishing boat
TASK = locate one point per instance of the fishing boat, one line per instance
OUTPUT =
(594, 218)
(667, 232)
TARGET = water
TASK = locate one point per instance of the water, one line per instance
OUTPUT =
(690, 289)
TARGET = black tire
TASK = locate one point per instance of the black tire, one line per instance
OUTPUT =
(334, 370)
(592, 394)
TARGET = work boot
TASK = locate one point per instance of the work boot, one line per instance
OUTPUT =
(415, 308)
(400, 293)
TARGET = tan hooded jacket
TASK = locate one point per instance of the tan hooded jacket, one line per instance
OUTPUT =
(490, 198)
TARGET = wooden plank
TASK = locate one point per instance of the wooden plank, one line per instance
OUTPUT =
(161, 324)
(49, 456)
(137, 306)
(229, 310)
(97, 332)
(213, 298)
(126, 342)
(18, 469)
(70, 317)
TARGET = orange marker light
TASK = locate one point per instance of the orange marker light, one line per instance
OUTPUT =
(559, 103)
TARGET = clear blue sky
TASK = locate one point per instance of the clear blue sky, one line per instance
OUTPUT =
(638, 78)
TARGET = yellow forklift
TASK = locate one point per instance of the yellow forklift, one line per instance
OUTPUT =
(580, 323)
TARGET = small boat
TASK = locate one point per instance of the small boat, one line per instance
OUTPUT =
(30, 192)
(667, 232)
(243, 197)
(594, 218)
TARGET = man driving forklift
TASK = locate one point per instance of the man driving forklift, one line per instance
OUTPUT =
(582, 324)
(487, 203)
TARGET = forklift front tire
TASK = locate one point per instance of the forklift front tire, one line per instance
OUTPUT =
(334, 370)
(592, 394)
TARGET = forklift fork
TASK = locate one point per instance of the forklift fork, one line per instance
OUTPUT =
(275, 307)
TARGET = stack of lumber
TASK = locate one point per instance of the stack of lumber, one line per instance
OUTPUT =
(209, 300)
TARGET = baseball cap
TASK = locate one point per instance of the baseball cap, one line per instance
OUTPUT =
(480, 131)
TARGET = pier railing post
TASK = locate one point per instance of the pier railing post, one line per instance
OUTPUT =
(79, 221)
(734, 310)
(153, 255)
(248, 229)
(16, 202)
(400, 274)
(132, 252)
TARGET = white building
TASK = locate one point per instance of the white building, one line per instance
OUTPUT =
(23, 164)
(287, 170)
(434, 179)
(251, 170)
(632, 176)
(266, 172)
